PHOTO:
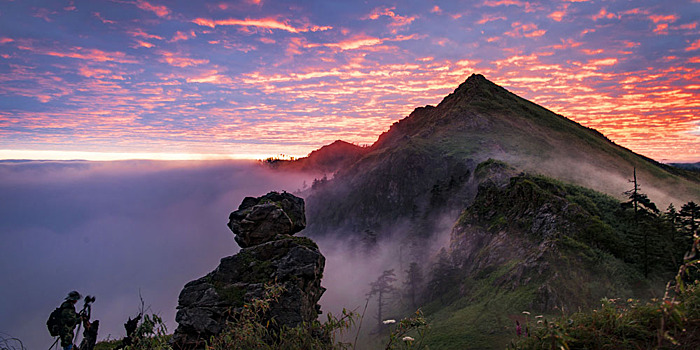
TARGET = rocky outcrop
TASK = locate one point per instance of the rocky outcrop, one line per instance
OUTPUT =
(270, 254)
(270, 217)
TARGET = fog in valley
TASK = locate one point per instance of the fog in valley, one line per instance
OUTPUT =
(115, 230)
(127, 230)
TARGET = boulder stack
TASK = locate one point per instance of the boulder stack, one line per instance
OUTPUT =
(264, 228)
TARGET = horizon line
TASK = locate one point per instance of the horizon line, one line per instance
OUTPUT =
(43, 155)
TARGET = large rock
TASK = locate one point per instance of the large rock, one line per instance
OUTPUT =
(260, 220)
(206, 304)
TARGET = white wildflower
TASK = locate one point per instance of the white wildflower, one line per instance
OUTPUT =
(539, 316)
(526, 312)
(389, 321)
(407, 338)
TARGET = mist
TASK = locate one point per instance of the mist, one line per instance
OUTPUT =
(118, 231)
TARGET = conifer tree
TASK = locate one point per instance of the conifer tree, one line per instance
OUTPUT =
(413, 283)
(690, 218)
(443, 275)
(384, 289)
(644, 225)
(671, 222)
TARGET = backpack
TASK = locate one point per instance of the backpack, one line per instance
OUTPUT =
(54, 322)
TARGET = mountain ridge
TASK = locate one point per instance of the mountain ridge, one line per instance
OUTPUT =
(437, 148)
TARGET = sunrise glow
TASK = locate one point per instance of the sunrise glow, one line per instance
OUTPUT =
(249, 79)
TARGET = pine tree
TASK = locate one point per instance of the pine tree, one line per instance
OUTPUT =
(443, 275)
(413, 283)
(384, 289)
(690, 218)
(644, 223)
(674, 246)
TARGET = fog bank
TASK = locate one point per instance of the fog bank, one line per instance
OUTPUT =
(114, 230)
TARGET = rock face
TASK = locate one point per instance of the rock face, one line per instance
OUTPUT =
(270, 254)
(260, 220)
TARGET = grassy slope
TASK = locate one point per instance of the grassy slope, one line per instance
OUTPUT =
(480, 311)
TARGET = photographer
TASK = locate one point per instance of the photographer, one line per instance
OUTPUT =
(64, 319)
(69, 319)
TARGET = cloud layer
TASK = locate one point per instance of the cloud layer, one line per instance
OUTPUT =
(265, 77)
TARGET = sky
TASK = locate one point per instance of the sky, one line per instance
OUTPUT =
(165, 79)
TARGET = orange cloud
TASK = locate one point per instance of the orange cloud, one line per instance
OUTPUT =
(397, 20)
(557, 15)
(495, 3)
(603, 13)
(661, 29)
(694, 46)
(102, 19)
(603, 62)
(660, 18)
(489, 18)
(592, 52)
(174, 59)
(267, 23)
(355, 43)
(436, 9)
(85, 54)
(159, 10)
(140, 43)
(142, 34)
(528, 30)
(182, 36)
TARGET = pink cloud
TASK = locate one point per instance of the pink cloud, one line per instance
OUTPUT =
(210, 77)
(660, 18)
(436, 9)
(603, 13)
(603, 62)
(694, 46)
(182, 36)
(661, 29)
(177, 60)
(102, 19)
(6, 40)
(396, 20)
(266, 23)
(84, 54)
(159, 10)
(528, 30)
(355, 43)
(592, 52)
(140, 33)
(495, 3)
(489, 18)
(140, 43)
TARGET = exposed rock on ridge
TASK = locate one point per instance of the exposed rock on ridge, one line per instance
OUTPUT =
(270, 254)
(263, 219)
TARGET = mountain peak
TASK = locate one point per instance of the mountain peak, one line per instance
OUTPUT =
(474, 88)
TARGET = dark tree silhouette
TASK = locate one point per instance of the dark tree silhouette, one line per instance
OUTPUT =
(690, 218)
(384, 289)
(443, 275)
(413, 283)
(644, 215)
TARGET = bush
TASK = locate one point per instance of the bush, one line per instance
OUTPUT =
(672, 322)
